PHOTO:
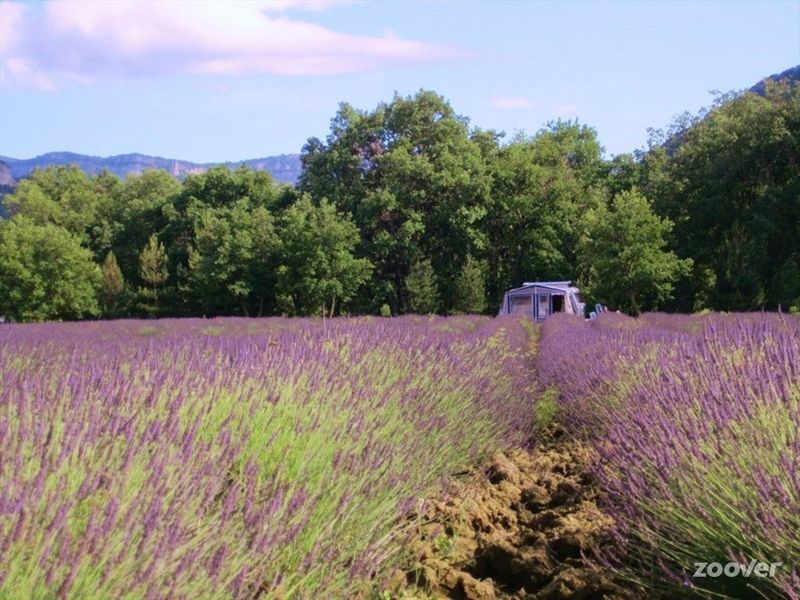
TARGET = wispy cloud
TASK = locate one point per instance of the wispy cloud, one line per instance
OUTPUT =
(512, 102)
(92, 40)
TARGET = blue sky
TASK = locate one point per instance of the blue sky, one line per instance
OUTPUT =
(208, 81)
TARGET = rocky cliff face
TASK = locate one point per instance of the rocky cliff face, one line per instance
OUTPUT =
(6, 177)
(7, 185)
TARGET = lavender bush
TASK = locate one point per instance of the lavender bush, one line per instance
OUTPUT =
(238, 458)
(697, 423)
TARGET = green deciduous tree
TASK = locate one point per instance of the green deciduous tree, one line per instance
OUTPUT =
(622, 256)
(61, 195)
(317, 266)
(142, 206)
(232, 260)
(45, 273)
(66, 197)
(414, 182)
(222, 228)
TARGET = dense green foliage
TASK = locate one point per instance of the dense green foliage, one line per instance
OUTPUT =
(45, 273)
(317, 263)
(406, 208)
(622, 255)
(730, 181)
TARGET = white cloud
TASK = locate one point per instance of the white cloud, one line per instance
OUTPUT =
(308, 5)
(90, 40)
(512, 102)
(20, 69)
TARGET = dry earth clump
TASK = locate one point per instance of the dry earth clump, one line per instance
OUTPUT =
(519, 529)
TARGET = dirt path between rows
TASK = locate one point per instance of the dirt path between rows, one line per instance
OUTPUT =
(516, 530)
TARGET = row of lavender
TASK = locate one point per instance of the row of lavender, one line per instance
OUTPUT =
(697, 424)
(238, 458)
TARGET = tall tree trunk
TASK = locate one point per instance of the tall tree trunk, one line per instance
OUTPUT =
(634, 304)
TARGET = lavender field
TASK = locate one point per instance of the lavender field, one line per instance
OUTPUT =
(696, 420)
(239, 458)
(280, 458)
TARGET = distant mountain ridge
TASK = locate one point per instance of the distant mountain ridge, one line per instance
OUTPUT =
(284, 168)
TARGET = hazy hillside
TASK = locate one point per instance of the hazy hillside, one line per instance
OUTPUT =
(792, 75)
(284, 168)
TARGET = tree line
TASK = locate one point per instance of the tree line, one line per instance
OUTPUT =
(406, 208)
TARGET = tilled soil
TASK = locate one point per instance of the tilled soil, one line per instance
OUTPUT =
(518, 530)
